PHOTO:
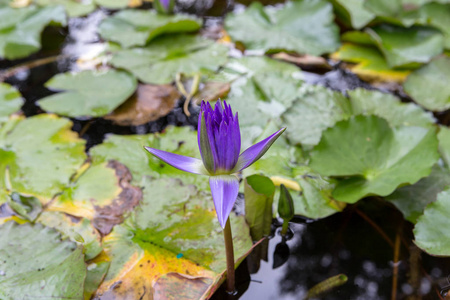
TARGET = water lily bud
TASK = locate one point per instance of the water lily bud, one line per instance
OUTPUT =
(285, 204)
(164, 6)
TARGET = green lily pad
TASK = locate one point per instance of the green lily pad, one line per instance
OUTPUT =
(10, 101)
(303, 26)
(388, 107)
(375, 157)
(39, 155)
(311, 192)
(113, 4)
(353, 12)
(429, 86)
(21, 28)
(129, 150)
(268, 86)
(138, 27)
(411, 200)
(36, 263)
(73, 8)
(444, 144)
(159, 62)
(78, 230)
(430, 232)
(316, 109)
(369, 62)
(88, 93)
(407, 47)
(172, 233)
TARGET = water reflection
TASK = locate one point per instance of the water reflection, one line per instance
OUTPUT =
(347, 244)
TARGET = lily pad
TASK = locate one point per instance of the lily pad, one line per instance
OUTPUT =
(353, 12)
(10, 101)
(315, 109)
(102, 194)
(37, 263)
(39, 155)
(159, 62)
(78, 230)
(88, 93)
(268, 86)
(374, 157)
(173, 240)
(138, 27)
(407, 47)
(389, 107)
(129, 150)
(411, 200)
(21, 28)
(444, 144)
(429, 86)
(369, 63)
(73, 8)
(430, 232)
(303, 26)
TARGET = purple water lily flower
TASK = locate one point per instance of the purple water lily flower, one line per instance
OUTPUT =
(219, 140)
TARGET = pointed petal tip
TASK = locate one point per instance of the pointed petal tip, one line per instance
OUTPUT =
(181, 162)
(224, 189)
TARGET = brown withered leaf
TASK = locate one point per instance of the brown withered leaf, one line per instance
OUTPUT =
(149, 103)
(304, 61)
(212, 91)
(108, 216)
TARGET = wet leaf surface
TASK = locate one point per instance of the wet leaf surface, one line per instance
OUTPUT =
(21, 28)
(374, 158)
(37, 263)
(10, 101)
(304, 27)
(129, 150)
(353, 12)
(149, 103)
(169, 233)
(405, 47)
(428, 86)
(159, 62)
(430, 230)
(411, 200)
(138, 27)
(88, 93)
(103, 194)
(39, 155)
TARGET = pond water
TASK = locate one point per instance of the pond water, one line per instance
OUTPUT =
(369, 242)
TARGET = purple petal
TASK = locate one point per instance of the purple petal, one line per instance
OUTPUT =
(184, 163)
(255, 152)
(224, 189)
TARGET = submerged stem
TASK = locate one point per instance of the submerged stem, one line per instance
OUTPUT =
(230, 257)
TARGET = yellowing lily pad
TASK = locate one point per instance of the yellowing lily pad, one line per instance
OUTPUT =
(102, 194)
(88, 93)
(373, 158)
(39, 155)
(10, 101)
(36, 263)
(173, 240)
(369, 63)
(138, 27)
(159, 62)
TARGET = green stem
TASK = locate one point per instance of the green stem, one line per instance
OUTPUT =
(285, 227)
(230, 257)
